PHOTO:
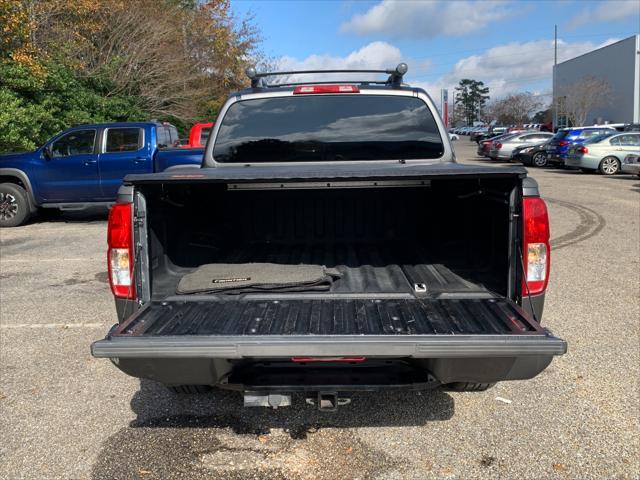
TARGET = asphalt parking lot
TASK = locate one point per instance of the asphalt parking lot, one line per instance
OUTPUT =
(66, 415)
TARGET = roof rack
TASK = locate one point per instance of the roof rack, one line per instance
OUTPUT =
(395, 76)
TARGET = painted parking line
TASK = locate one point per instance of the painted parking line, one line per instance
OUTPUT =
(52, 325)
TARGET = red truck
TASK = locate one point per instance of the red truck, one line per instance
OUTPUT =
(198, 135)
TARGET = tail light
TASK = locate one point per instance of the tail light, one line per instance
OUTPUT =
(536, 249)
(120, 253)
(563, 143)
(309, 89)
(498, 145)
(582, 149)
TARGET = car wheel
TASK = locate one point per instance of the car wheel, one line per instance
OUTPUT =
(14, 205)
(468, 387)
(609, 166)
(540, 160)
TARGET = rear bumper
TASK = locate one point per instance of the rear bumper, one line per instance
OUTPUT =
(475, 340)
(269, 346)
(214, 363)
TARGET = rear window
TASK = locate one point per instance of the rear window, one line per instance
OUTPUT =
(561, 135)
(204, 135)
(327, 128)
(596, 138)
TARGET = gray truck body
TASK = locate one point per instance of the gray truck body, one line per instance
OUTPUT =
(428, 250)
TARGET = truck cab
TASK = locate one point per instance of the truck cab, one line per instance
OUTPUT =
(83, 166)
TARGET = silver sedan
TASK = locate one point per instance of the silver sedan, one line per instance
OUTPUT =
(503, 149)
(603, 153)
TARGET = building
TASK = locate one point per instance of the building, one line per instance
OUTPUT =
(619, 65)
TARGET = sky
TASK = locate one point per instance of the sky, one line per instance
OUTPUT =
(506, 44)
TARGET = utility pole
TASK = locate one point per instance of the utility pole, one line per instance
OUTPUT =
(555, 45)
(553, 84)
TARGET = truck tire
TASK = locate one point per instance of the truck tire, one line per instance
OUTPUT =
(609, 166)
(190, 389)
(14, 205)
(468, 387)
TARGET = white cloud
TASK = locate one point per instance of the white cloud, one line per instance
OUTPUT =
(609, 11)
(413, 19)
(511, 67)
(374, 56)
(505, 68)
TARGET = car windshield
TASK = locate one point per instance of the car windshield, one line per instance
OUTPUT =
(328, 128)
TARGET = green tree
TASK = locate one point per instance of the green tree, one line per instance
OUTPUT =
(471, 95)
(63, 63)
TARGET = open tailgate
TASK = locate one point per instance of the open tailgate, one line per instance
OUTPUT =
(261, 327)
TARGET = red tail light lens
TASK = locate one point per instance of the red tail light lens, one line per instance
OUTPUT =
(536, 249)
(498, 145)
(120, 252)
(563, 143)
(582, 149)
(310, 89)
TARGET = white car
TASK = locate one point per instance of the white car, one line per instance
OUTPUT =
(453, 137)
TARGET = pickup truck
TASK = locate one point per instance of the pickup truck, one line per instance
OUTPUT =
(198, 135)
(329, 243)
(83, 167)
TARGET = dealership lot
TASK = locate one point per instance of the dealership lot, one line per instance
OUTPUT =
(67, 415)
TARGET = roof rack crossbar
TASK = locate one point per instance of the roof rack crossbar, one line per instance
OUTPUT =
(395, 75)
(295, 84)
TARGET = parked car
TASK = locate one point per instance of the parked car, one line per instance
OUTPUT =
(503, 149)
(303, 257)
(84, 166)
(559, 145)
(484, 146)
(631, 164)
(478, 133)
(534, 155)
(603, 152)
(453, 137)
(198, 135)
(491, 133)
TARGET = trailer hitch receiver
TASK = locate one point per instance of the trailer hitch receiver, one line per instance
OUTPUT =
(328, 401)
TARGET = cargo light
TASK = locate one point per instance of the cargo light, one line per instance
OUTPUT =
(310, 89)
(120, 252)
(536, 251)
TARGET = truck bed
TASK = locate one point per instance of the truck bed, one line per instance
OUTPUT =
(370, 268)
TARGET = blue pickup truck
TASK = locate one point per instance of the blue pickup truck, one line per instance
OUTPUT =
(83, 167)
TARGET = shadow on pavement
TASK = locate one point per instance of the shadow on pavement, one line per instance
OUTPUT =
(212, 435)
(52, 215)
